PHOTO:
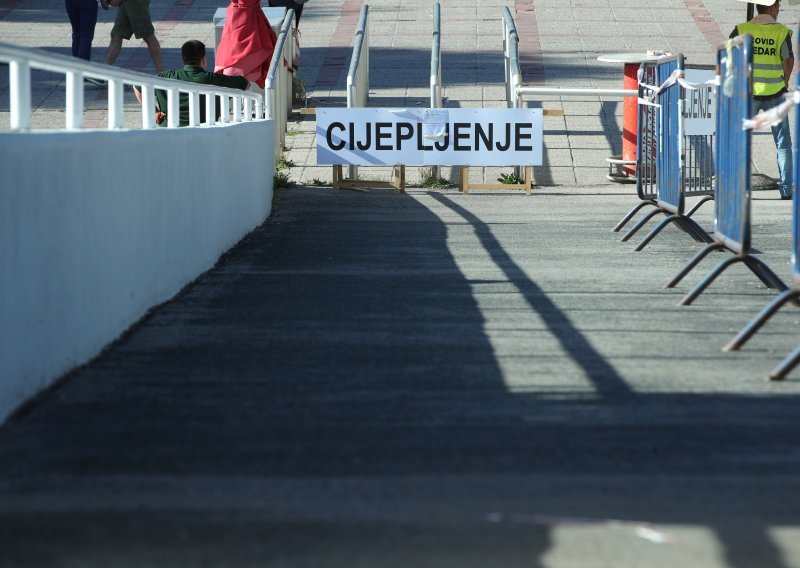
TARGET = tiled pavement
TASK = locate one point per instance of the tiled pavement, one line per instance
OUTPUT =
(560, 43)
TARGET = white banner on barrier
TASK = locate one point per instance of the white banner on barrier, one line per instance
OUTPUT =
(435, 137)
(699, 106)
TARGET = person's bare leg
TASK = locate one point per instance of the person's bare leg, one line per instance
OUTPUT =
(113, 50)
(155, 51)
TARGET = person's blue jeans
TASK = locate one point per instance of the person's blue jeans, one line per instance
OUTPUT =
(83, 18)
(783, 141)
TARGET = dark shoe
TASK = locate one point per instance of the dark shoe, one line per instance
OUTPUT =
(783, 196)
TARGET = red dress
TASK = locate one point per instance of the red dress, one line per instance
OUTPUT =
(247, 42)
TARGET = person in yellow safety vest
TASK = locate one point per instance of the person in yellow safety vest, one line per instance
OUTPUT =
(773, 61)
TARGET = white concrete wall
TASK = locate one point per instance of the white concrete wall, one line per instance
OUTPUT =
(96, 227)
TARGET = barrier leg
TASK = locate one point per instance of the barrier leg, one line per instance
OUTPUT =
(764, 273)
(695, 230)
(785, 367)
(757, 322)
(631, 213)
(699, 204)
(658, 228)
(701, 254)
(642, 222)
(708, 279)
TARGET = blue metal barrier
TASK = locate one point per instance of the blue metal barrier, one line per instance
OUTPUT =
(732, 193)
(698, 147)
(647, 140)
(669, 160)
(790, 295)
(662, 148)
(646, 146)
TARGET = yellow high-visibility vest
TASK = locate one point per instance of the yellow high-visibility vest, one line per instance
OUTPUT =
(767, 63)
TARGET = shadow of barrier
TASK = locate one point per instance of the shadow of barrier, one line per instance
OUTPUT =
(732, 218)
(789, 295)
(675, 146)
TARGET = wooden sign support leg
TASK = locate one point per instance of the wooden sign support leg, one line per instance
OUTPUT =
(399, 178)
(463, 180)
(528, 180)
(337, 176)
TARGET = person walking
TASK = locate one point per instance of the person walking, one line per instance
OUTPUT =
(247, 42)
(83, 18)
(133, 18)
(773, 61)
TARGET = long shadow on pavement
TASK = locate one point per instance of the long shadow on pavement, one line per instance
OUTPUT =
(341, 345)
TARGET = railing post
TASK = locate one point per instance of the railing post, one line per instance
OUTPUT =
(211, 109)
(237, 109)
(20, 86)
(436, 69)
(365, 54)
(194, 109)
(173, 108)
(269, 101)
(516, 101)
(225, 109)
(148, 107)
(116, 104)
(74, 105)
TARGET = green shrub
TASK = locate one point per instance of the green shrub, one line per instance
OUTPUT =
(428, 179)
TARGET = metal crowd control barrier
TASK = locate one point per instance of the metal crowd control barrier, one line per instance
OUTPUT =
(664, 152)
(246, 105)
(789, 295)
(698, 148)
(278, 85)
(732, 224)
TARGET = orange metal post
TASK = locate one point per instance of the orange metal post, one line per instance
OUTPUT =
(630, 118)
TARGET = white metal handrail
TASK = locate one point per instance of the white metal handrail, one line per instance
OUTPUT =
(358, 74)
(437, 100)
(278, 84)
(578, 92)
(513, 74)
(436, 58)
(246, 106)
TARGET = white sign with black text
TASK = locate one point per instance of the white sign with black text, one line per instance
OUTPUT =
(435, 137)
(699, 105)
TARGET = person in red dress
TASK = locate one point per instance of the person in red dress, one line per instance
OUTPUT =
(247, 42)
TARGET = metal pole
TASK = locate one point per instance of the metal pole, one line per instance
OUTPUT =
(577, 92)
